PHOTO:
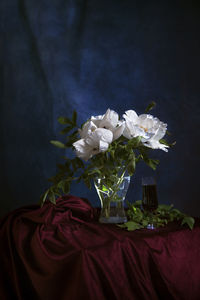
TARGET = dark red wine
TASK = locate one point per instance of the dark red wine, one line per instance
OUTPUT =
(149, 197)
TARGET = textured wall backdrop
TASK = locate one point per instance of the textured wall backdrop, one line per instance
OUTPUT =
(88, 55)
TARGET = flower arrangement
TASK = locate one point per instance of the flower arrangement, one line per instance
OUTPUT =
(107, 150)
(107, 147)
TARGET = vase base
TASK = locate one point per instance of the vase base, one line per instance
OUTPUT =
(113, 220)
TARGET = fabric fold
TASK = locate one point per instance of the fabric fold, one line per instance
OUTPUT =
(62, 252)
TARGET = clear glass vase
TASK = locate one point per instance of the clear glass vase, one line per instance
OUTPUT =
(112, 192)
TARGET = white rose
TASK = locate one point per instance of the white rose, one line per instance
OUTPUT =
(149, 128)
(97, 141)
(110, 120)
(87, 129)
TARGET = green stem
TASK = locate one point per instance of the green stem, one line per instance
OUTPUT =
(114, 191)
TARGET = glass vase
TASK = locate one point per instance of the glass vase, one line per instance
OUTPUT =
(112, 192)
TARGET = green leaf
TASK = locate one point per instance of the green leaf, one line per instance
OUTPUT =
(138, 203)
(74, 164)
(177, 213)
(79, 163)
(152, 163)
(74, 134)
(87, 182)
(65, 186)
(66, 130)
(58, 144)
(164, 214)
(64, 120)
(165, 207)
(94, 172)
(131, 166)
(51, 197)
(189, 221)
(55, 179)
(104, 188)
(145, 223)
(43, 198)
(168, 133)
(131, 225)
(136, 141)
(164, 142)
(133, 143)
(150, 107)
(70, 141)
(173, 144)
(74, 117)
(112, 153)
(55, 190)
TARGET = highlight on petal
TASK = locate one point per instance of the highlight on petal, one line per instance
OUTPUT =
(151, 129)
(97, 119)
(147, 122)
(151, 124)
(153, 144)
(95, 142)
(102, 134)
(131, 115)
(132, 130)
(88, 127)
(118, 131)
(109, 120)
(161, 131)
(103, 146)
(99, 140)
(79, 145)
(83, 150)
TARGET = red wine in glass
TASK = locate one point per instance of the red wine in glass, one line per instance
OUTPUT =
(149, 198)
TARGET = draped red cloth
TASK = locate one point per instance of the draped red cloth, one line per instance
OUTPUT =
(62, 252)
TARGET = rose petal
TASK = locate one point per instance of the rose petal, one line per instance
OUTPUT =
(88, 127)
(102, 134)
(110, 120)
(83, 150)
(132, 130)
(156, 145)
(118, 131)
(103, 146)
(130, 115)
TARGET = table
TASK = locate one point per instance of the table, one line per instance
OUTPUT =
(63, 252)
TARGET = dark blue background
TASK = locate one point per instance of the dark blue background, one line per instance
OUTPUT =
(59, 55)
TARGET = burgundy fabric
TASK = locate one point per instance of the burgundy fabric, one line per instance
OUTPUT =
(62, 252)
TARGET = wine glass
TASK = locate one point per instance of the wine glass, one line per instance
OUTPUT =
(149, 198)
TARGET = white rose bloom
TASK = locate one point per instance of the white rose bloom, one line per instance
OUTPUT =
(132, 130)
(133, 126)
(82, 149)
(149, 128)
(97, 141)
(88, 127)
(160, 130)
(110, 121)
(97, 119)
(131, 115)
